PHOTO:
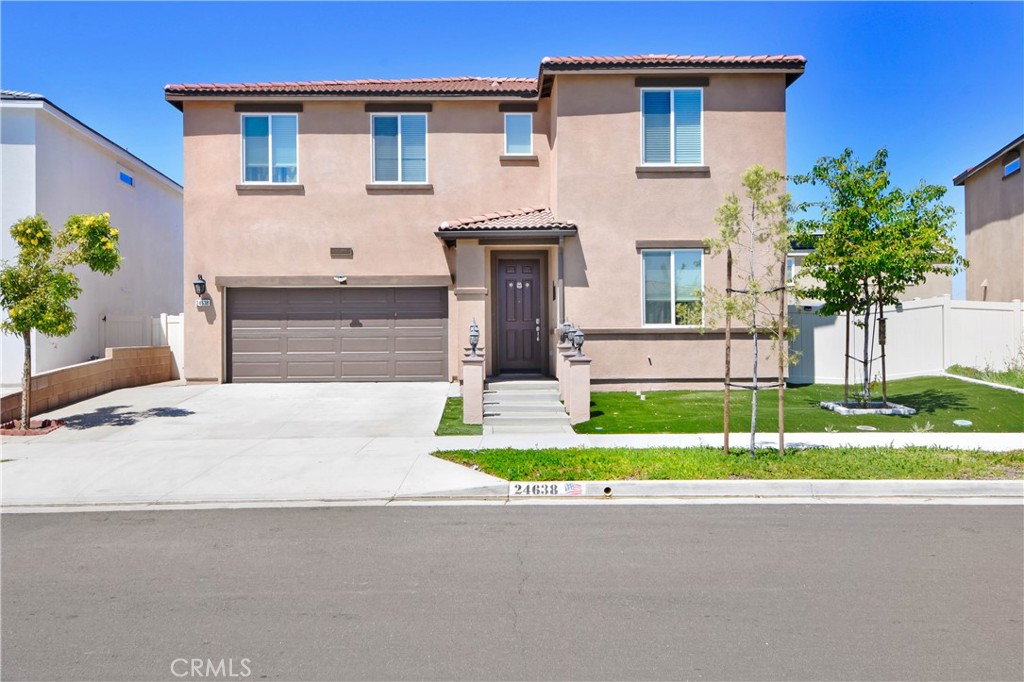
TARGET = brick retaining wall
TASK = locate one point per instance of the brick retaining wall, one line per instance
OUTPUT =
(121, 368)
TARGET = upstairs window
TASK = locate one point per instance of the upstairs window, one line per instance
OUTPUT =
(519, 134)
(1011, 164)
(126, 176)
(673, 126)
(269, 148)
(673, 285)
(400, 148)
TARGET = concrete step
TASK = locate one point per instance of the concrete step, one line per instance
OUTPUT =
(538, 420)
(520, 396)
(521, 385)
(532, 430)
(519, 408)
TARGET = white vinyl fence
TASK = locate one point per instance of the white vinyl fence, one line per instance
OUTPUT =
(142, 330)
(926, 338)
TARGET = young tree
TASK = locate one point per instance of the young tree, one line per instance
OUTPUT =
(757, 227)
(871, 241)
(37, 287)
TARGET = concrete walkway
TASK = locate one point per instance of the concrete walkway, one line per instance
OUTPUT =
(247, 445)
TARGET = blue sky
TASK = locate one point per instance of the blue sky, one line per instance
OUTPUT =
(939, 84)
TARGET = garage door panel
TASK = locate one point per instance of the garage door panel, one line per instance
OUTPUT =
(421, 344)
(249, 344)
(301, 344)
(417, 370)
(344, 334)
(310, 370)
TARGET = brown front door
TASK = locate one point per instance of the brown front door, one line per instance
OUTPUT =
(519, 316)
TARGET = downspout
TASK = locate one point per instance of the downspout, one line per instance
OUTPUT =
(561, 280)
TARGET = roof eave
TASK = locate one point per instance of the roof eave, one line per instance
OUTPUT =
(959, 180)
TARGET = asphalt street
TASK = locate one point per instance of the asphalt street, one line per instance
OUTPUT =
(539, 592)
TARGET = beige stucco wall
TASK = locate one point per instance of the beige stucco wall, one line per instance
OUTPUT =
(587, 138)
(598, 149)
(391, 233)
(994, 220)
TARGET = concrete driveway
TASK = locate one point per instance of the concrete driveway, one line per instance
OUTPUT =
(170, 443)
(230, 411)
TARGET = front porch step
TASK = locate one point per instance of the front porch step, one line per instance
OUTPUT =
(519, 408)
(524, 405)
(519, 385)
(541, 422)
(520, 396)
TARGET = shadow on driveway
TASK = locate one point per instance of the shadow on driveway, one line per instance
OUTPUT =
(110, 416)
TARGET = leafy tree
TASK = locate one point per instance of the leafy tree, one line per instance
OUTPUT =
(37, 287)
(758, 228)
(871, 241)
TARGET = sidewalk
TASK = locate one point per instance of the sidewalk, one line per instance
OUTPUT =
(297, 471)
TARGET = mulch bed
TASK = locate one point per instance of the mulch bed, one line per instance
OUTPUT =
(39, 428)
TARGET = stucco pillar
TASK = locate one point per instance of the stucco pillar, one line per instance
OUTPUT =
(562, 351)
(473, 388)
(578, 400)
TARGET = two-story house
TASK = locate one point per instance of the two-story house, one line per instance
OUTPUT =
(994, 225)
(353, 230)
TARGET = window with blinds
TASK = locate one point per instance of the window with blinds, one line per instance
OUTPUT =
(673, 126)
(399, 147)
(270, 148)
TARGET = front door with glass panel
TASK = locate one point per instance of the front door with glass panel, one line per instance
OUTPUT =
(520, 318)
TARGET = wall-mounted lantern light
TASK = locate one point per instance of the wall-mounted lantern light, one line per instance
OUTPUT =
(577, 341)
(200, 285)
(474, 337)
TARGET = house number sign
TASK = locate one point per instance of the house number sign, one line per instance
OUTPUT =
(203, 303)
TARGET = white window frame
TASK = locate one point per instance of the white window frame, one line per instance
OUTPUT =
(519, 113)
(426, 150)
(672, 289)
(270, 149)
(671, 129)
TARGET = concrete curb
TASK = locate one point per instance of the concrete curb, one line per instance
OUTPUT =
(637, 492)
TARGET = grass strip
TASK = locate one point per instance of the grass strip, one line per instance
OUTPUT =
(627, 464)
(451, 421)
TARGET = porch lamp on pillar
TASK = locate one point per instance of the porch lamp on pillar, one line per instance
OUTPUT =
(474, 337)
(577, 342)
(566, 331)
(200, 285)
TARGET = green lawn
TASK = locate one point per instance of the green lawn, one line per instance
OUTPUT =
(938, 400)
(1010, 377)
(618, 464)
(451, 421)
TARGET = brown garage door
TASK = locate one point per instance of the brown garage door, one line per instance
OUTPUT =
(339, 334)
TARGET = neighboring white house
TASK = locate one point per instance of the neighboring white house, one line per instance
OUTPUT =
(53, 164)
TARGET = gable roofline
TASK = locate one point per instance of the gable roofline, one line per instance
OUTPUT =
(473, 87)
(37, 101)
(959, 180)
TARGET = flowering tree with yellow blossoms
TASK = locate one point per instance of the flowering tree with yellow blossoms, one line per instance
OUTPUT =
(36, 288)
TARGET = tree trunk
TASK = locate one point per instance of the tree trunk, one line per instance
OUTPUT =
(753, 324)
(783, 353)
(728, 348)
(26, 381)
(881, 343)
(866, 360)
(846, 365)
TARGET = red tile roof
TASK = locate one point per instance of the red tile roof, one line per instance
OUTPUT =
(474, 86)
(532, 218)
(672, 60)
(466, 85)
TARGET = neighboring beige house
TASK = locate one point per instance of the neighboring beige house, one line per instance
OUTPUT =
(353, 230)
(994, 223)
(55, 165)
